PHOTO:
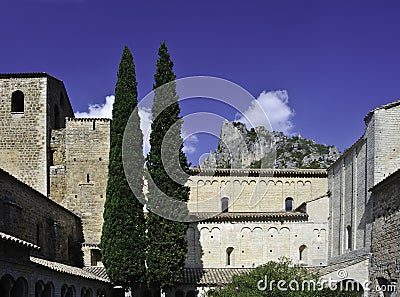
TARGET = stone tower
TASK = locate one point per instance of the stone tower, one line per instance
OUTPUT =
(44, 146)
(31, 105)
(79, 176)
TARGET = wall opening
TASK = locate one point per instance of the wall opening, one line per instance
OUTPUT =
(95, 257)
(225, 204)
(349, 242)
(289, 204)
(303, 253)
(229, 252)
(17, 101)
(20, 288)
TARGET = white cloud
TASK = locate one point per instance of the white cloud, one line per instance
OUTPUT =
(272, 106)
(104, 110)
(189, 143)
(98, 110)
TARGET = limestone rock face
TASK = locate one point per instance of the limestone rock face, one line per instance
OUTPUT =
(260, 148)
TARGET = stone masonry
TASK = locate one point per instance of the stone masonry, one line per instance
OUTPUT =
(25, 134)
(256, 228)
(371, 159)
(30, 216)
(385, 266)
(79, 175)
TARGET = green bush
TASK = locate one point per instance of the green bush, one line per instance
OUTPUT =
(263, 281)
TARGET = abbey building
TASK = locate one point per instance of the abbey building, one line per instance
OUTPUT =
(53, 178)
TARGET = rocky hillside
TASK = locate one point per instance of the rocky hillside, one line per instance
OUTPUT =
(260, 148)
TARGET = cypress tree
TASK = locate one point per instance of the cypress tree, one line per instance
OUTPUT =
(123, 235)
(166, 165)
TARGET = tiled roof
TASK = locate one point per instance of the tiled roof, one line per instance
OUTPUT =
(260, 172)
(62, 268)
(337, 266)
(87, 119)
(9, 238)
(250, 216)
(200, 276)
(212, 276)
(97, 270)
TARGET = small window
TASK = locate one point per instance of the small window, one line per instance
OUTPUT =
(289, 204)
(229, 252)
(94, 125)
(17, 101)
(95, 257)
(349, 242)
(224, 204)
(88, 178)
(303, 253)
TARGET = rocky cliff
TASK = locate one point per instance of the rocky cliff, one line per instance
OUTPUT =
(260, 148)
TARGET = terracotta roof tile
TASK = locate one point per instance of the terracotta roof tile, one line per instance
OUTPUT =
(100, 271)
(250, 216)
(260, 172)
(10, 238)
(67, 269)
(212, 276)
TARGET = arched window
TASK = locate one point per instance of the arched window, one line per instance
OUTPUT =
(179, 294)
(303, 253)
(20, 288)
(349, 242)
(191, 294)
(229, 252)
(6, 283)
(289, 204)
(224, 204)
(17, 101)
(64, 290)
(42, 290)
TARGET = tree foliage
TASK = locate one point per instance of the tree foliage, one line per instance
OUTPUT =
(123, 235)
(166, 164)
(263, 281)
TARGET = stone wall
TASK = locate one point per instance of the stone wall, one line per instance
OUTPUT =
(31, 216)
(385, 267)
(372, 158)
(251, 191)
(25, 134)
(80, 172)
(22, 275)
(256, 228)
(252, 243)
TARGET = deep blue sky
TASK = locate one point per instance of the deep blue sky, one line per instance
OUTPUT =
(336, 59)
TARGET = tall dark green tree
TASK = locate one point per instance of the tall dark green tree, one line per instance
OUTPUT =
(123, 236)
(166, 165)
